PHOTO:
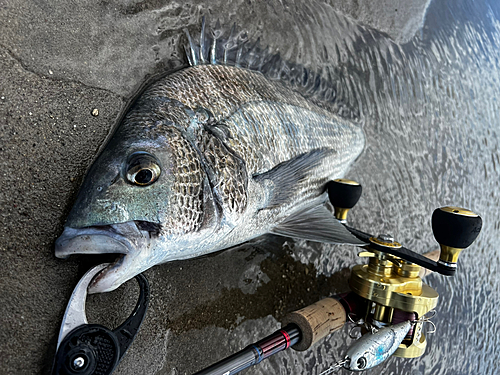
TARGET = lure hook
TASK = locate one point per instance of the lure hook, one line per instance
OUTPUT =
(427, 319)
(360, 324)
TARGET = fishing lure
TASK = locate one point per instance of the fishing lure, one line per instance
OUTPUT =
(373, 348)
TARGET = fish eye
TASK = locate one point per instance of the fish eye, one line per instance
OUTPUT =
(142, 169)
(361, 363)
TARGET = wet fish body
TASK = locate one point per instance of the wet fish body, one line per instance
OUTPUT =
(207, 158)
(373, 349)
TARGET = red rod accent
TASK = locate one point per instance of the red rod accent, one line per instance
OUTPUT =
(287, 338)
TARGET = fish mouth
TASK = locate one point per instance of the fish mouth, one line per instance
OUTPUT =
(131, 240)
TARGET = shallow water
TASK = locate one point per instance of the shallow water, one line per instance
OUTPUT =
(429, 107)
(430, 112)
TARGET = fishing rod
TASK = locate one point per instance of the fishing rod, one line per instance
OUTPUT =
(388, 298)
(388, 301)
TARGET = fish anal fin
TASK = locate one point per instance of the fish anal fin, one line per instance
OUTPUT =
(316, 224)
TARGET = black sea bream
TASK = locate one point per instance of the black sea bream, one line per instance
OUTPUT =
(207, 158)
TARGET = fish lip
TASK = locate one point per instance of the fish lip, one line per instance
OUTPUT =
(105, 276)
(91, 240)
(132, 240)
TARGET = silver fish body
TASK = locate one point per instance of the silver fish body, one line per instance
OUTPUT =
(373, 349)
(209, 157)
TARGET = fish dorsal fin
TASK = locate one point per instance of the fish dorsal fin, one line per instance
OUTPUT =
(216, 45)
(286, 177)
(316, 224)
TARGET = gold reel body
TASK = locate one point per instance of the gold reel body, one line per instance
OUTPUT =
(391, 283)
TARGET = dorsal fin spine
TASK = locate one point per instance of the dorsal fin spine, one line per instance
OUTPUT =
(213, 47)
(202, 42)
(191, 51)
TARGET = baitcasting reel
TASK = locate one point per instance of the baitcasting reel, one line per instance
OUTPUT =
(390, 283)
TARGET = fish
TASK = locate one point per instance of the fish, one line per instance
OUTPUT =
(374, 348)
(209, 157)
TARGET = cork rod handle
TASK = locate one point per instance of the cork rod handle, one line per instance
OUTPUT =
(316, 321)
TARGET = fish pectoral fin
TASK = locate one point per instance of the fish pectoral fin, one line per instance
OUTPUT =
(316, 224)
(286, 176)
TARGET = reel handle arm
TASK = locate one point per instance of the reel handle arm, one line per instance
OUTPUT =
(454, 228)
(405, 254)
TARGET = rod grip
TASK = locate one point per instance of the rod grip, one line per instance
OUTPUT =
(316, 321)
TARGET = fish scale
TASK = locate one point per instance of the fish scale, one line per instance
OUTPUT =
(187, 187)
(223, 89)
(284, 129)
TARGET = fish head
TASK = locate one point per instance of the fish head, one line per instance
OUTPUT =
(142, 197)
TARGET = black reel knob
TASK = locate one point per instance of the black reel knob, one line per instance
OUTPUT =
(343, 194)
(455, 229)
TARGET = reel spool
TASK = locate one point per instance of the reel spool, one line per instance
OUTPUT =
(390, 282)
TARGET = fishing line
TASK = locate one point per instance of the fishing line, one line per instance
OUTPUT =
(336, 367)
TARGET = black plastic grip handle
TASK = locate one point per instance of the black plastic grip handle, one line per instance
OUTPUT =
(89, 349)
(455, 227)
(92, 349)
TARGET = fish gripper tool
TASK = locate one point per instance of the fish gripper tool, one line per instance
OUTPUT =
(86, 349)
